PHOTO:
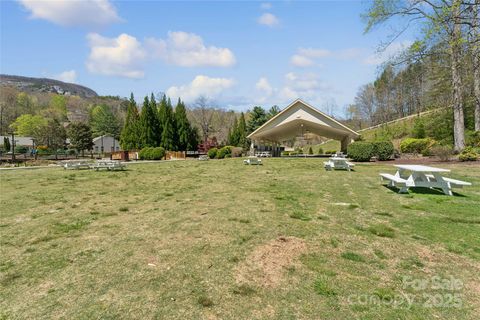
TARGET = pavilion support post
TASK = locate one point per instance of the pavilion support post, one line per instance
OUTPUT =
(344, 144)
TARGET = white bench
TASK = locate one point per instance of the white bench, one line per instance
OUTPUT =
(252, 161)
(395, 181)
(453, 182)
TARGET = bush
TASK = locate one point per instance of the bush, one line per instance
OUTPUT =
(330, 151)
(412, 145)
(294, 153)
(212, 153)
(21, 149)
(285, 153)
(223, 152)
(442, 152)
(320, 150)
(468, 154)
(472, 138)
(383, 150)
(310, 150)
(418, 130)
(361, 151)
(150, 153)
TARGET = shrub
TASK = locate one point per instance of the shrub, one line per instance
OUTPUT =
(472, 138)
(383, 150)
(223, 152)
(157, 153)
(285, 153)
(413, 145)
(21, 149)
(150, 153)
(361, 151)
(320, 150)
(294, 153)
(442, 152)
(418, 130)
(468, 154)
(310, 150)
(330, 151)
(212, 153)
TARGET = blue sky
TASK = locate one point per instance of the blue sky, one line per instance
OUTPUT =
(238, 54)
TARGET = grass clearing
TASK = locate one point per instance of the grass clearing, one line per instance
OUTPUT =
(218, 239)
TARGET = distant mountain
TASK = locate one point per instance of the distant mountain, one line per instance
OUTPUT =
(29, 84)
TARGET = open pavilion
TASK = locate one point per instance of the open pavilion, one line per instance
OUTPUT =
(296, 120)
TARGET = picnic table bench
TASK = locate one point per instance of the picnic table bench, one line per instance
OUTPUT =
(76, 164)
(335, 163)
(108, 164)
(252, 161)
(422, 176)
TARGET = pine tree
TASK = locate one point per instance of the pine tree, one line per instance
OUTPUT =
(158, 128)
(80, 136)
(183, 126)
(167, 121)
(130, 136)
(193, 139)
(148, 125)
(242, 132)
(234, 134)
(257, 118)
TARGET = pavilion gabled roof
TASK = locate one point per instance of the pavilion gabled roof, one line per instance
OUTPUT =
(297, 116)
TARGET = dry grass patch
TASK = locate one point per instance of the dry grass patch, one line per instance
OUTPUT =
(266, 265)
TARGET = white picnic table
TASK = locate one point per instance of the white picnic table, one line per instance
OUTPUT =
(338, 163)
(413, 175)
(252, 161)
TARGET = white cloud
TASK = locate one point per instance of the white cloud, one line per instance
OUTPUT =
(305, 56)
(390, 52)
(121, 56)
(67, 76)
(84, 13)
(269, 20)
(301, 61)
(188, 50)
(264, 86)
(266, 6)
(314, 53)
(200, 86)
(307, 86)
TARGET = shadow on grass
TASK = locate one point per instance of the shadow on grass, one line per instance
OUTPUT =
(422, 190)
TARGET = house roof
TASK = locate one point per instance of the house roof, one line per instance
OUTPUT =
(301, 116)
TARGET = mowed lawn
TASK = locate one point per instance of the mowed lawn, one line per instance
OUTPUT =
(220, 240)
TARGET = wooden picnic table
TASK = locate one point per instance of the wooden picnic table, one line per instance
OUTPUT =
(412, 175)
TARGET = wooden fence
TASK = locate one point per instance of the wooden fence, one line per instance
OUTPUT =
(175, 155)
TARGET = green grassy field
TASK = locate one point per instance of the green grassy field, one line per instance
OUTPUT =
(220, 240)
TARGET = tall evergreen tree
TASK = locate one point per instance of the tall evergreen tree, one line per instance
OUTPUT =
(148, 128)
(242, 132)
(183, 126)
(80, 136)
(234, 134)
(130, 136)
(193, 139)
(104, 122)
(257, 118)
(167, 121)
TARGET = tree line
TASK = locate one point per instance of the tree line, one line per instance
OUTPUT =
(440, 69)
(158, 125)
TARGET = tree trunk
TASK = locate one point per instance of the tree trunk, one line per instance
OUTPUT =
(476, 63)
(455, 50)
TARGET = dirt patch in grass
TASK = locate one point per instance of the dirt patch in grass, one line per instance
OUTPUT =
(266, 265)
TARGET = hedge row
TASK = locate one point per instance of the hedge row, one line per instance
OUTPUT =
(224, 152)
(152, 153)
(421, 146)
(364, 151)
